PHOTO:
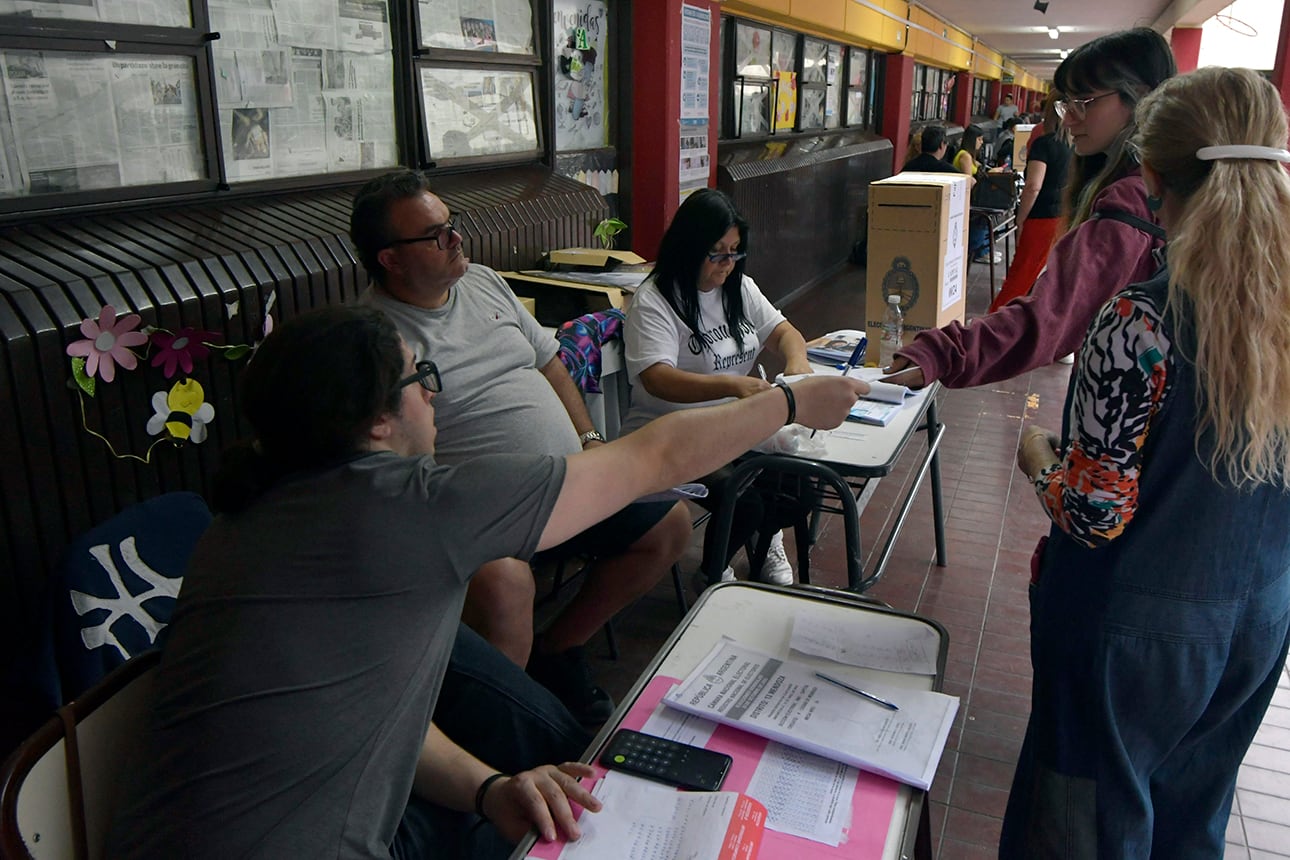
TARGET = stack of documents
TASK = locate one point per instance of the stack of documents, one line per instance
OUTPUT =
(835, 347)
(788, 702)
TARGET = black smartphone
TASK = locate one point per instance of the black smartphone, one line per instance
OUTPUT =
(683, 765)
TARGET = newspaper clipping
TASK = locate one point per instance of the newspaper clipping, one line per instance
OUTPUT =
(470, 112)
(304, 87)
(85, 121)
(504, 26)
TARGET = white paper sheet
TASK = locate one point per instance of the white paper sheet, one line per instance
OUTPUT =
(893, 648)
(805, 795)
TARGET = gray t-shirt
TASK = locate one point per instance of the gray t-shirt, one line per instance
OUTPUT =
(489, 351)
(306, 654)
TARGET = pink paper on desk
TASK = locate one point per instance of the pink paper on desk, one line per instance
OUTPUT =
(871, 805)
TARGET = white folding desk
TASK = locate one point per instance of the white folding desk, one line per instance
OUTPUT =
(762, 617)
(856, 451)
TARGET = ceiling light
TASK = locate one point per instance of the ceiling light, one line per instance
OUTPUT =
(1053, 32)
(1041, 6)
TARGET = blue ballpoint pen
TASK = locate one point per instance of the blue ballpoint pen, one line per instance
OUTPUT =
(857, 356)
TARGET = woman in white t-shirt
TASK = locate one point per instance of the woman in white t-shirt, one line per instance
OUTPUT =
(693, 333)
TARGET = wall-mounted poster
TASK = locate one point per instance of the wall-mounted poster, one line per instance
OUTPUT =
(785, 101)
(502, 26)
(581, 74)
(470, 112)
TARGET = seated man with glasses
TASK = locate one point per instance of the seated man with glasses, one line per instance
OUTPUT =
(318, 630)
(510, 393)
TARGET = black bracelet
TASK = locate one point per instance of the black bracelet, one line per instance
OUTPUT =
(792, 402)
(483, 790)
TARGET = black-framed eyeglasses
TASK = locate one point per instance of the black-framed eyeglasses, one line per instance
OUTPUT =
(442, 236)
(427, 376)
(734, 257)
(1077, 108)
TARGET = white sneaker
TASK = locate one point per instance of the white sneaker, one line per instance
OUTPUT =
(700, 582)
(777, 570)
(1068, 358)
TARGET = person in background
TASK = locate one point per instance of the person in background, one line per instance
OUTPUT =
(1006, 109)
(693, 333)
(933, 144)
(1109, 242)
(965, 160)
(1040, 208)
(1160, 614)
(1003, 143)
(512, 394)
(320, 615)
(914, 148)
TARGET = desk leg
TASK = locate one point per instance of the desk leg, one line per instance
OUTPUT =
(938, 500)
(923, 841)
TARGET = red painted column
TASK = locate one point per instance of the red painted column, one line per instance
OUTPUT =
(656, 112)
(1185, 42)
(996, 96)
(1281, 69)
(961, 110)
(898, 89)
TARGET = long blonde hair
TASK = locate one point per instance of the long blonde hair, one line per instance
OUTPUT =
(1229, 259)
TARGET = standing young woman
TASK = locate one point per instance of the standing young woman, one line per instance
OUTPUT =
(1039, 211)
(1161, 606)
(693, 332)
(1103, 81)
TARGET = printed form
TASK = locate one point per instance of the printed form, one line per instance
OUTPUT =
(804, 794)
(642, 820)
(784, 701)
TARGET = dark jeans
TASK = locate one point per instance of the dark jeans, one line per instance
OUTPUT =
(496, 712)
(773, 502)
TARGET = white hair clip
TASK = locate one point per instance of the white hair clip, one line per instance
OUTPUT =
(1242, 150)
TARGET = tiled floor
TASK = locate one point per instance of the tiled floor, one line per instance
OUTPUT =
(992, 523)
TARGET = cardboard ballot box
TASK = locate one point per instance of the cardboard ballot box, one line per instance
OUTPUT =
(918, 250)
(1020, 145)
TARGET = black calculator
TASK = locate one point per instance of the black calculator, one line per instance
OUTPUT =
(683, 765)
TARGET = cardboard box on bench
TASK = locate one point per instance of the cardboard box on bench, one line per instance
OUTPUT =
(917, 249)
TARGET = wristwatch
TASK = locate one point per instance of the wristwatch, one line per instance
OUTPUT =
(590, 436)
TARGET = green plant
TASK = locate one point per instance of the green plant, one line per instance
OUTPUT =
(606, 231)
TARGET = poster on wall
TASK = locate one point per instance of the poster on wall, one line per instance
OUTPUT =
(785, 101)
(696, 36)
(581, 80)
(696, 39)
(694, 155)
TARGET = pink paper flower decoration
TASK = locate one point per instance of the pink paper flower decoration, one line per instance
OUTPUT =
(108, 343)
(179, 350)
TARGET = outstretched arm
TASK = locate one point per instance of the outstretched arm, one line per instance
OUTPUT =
(684, 445)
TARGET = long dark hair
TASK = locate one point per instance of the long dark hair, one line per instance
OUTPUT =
(311, 393)
(699, 223)
(1130, 62)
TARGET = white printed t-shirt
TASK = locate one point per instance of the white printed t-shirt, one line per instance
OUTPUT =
(654, 334)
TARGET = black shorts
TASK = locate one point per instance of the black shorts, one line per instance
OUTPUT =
(611, 536)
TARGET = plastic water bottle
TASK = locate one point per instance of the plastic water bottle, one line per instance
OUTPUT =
(893, 329)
